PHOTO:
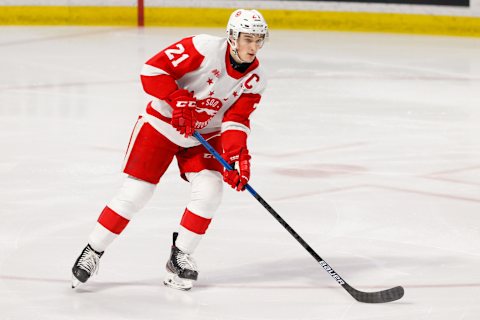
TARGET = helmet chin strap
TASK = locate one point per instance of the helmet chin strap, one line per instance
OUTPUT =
(235, 50)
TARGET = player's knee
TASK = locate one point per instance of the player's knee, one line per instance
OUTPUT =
(207, 190)
(132, 197)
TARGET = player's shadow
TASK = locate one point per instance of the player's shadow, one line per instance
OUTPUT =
(293, 273)
(97, 286)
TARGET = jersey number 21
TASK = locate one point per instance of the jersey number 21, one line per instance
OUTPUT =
(177, 55)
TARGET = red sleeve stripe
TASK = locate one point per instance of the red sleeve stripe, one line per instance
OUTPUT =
(242, 108)
(159, 86)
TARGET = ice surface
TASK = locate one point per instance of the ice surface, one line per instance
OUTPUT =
(367, 144)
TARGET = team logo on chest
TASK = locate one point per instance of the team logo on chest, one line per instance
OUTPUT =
(206, 110)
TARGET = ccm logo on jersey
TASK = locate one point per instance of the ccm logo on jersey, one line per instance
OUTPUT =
(182, 104)
(253, 77)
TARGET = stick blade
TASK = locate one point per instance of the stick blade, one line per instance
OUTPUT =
(384, 296)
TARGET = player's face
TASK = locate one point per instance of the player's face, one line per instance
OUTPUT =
(248, 45)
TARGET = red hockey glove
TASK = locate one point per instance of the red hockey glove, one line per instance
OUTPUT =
(183, 115)
(239, 160)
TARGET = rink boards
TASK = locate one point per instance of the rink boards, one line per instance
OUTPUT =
(299, 15)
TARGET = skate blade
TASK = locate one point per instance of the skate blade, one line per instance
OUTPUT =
(75, 282)
(173, 281)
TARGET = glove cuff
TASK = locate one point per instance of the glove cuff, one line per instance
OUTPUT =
(173, 97)
(233, 140)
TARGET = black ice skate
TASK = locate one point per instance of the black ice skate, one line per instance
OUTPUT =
(86, 264)
(181, 269)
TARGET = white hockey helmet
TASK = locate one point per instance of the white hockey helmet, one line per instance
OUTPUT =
(245, 21)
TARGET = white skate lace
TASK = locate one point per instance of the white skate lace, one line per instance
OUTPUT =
(89, 261)
(185, 261)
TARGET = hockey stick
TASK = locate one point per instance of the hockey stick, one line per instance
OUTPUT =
(367, 297)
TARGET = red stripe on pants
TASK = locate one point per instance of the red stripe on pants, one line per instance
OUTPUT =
(194, 223)
(112, 220)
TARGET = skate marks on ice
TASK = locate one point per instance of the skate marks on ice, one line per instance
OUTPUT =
(466, 175)
(63, 34)
(302, 152)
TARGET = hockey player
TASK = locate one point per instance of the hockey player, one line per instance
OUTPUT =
(204, 83)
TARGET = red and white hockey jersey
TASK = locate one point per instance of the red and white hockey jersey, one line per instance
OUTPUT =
(201, 65)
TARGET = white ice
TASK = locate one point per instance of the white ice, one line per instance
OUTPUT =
(368, 145)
